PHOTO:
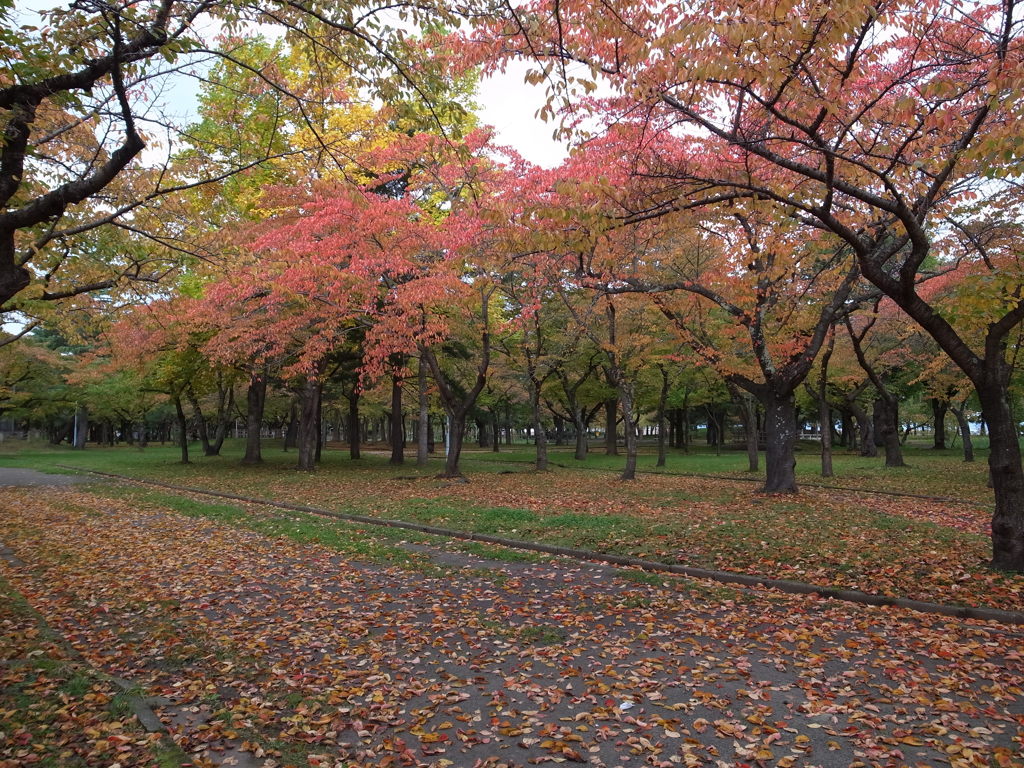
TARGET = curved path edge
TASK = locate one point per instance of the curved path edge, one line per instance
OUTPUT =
(726, 577)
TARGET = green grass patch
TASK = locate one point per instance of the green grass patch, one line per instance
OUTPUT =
(860, 542)
(503, 554)
(351, 539)
(542, 634)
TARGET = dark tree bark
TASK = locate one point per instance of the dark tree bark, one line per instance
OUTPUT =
(182, 428)
(200, 419)
(820, 394)
(559, 430)
(225, 404)
(581, 428)
(541, 462)
(625, 389)
(319, 424)
(878, 423)
(309, 427)
(683, 430)
(496, 430)
(80, 432)
(423, 427)
(1004, 473)
(716, 427)
(867, 430)
(354, 430)
(824, 410)
(660, 416)
(780, 443)
(965, 431)
(939, 409)
(847, 437)
(888, 408)
(291, 433)
(397, 424)
(256, 399)
(611, 442)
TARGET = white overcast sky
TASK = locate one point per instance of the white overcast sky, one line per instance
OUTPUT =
(510, 105)
(506, 102)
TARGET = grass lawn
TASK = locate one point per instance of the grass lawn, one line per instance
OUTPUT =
(908, 547)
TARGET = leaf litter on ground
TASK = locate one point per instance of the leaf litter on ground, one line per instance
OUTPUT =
(303, 656)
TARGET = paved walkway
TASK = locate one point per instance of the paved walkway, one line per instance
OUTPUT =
(26, 478)
(294, 649)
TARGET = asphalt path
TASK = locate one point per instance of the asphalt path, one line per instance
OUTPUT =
(15, 477)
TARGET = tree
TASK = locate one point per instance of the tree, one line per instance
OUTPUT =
(766, 283)
(879, 125)
(79, 103)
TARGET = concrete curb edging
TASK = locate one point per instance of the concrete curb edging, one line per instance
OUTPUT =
(726, 577)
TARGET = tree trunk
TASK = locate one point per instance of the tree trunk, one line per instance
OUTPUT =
(660, 417)
(939, 408)
(684, 424)
(866, 425)
(80, 431)
(256, 399)
(825, 417)
(308, 426)
(716, 428)
(780, 436)
(456, 433)
(559, 430)
(887, 418)
(225, 404)
(750, 431)
(965, 433)
(496, 430)
(354, 432)
(291, 433)
(201, 427)
(629, 428)
(611, 445)
(1006, 474)
(847, 437)
(423, 431)
(580, 425)
(538, 430)
(397, 425)
(182, 429)
(319, 423)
